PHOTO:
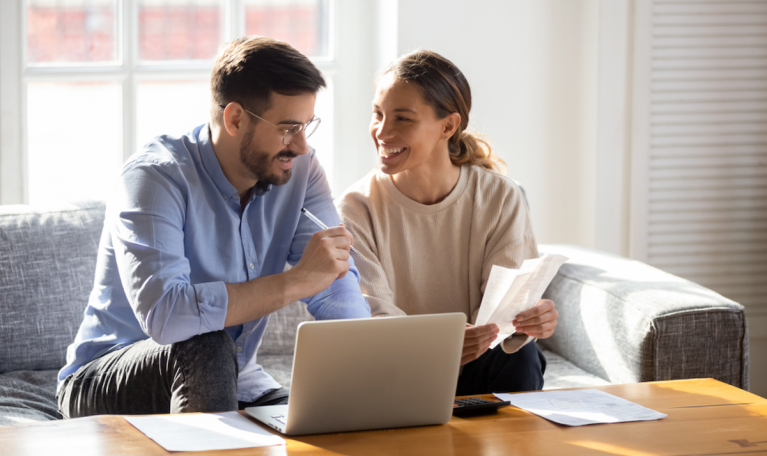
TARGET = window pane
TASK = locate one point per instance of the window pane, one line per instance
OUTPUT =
(74, 138)
(178, 29)
(68, 31)
(322, 139)
(170, 108)
(302, 23)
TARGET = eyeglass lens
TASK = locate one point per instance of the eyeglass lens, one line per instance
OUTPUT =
(308, 129)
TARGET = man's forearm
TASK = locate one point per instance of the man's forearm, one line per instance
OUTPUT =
(259, 297)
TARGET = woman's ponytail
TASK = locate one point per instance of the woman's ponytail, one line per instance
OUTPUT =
(471, 148)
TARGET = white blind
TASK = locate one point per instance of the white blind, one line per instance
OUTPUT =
(707, 162)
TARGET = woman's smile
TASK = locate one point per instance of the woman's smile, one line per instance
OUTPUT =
(387, 153)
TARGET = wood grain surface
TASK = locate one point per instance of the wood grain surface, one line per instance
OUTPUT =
(705, 417)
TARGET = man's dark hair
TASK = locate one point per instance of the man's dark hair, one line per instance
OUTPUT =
(248, 69)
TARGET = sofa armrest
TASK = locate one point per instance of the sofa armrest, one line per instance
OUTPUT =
(626, 321)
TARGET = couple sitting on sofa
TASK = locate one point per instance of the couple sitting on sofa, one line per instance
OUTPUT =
(200, 226)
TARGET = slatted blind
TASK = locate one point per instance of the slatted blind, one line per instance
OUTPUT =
(707, 162)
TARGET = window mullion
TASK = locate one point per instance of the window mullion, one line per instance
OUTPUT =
(236, 19)
(12, 166)
(128, 46)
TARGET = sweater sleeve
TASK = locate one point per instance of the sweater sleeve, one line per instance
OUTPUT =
(356, 216)
(508, 246)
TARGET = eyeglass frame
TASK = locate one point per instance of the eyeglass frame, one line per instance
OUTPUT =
(301, 127)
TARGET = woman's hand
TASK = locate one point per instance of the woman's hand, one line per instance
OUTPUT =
(538, 321)
(477, 340)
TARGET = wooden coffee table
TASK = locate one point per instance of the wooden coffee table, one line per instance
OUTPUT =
(705, 417)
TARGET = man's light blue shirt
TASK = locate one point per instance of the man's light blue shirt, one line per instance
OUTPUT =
(175, 234)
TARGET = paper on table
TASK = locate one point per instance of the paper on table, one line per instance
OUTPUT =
(200, 432)
(511, 291)
(580, 407)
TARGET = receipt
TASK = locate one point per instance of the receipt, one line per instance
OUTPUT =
(511, 291)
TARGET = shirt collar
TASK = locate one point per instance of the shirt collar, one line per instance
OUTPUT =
(213, 167)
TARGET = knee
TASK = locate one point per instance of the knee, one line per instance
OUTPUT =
(205, 374)
(536, 365)
(534, 356)
(215, 340)
(214, 350)
(525, 368)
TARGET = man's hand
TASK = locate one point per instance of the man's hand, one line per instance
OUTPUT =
(477, 340)
(538, 321)
(325, 259)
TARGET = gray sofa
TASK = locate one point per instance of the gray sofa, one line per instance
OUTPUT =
(620, 321)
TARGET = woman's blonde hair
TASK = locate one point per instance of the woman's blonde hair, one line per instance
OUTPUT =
(446, 90)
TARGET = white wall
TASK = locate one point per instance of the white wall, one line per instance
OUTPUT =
(354, 153)
(532, 66)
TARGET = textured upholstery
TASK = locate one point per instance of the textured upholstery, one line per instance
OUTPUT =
(626, 322)
(47, 264)
(28, 396)
(560, 373)
(280, 336)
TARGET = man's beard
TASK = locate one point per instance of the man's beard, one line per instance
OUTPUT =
(259, 163)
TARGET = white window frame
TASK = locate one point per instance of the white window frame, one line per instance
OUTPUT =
(348, 51)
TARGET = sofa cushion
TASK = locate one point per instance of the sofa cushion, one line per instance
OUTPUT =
(280, 367)
(28, 396)
(561, 373)
(47, 264)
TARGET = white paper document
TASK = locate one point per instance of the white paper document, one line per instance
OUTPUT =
(579, 407)
(201, 432)
(511, 291)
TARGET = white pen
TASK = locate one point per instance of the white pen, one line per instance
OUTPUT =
(319, 223)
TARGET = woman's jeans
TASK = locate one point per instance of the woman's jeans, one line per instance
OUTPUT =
(499, 372)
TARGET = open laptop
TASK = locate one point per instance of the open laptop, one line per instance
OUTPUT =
(376, 373)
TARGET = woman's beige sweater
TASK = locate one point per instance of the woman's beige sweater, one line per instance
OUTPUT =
(420, 259)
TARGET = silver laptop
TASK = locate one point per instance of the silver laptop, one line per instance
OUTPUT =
(375, 373)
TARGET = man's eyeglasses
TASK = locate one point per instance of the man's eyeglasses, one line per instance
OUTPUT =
(287, 134)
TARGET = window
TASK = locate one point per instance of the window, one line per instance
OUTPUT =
(100, 78)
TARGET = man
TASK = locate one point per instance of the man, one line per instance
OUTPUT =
(194, 245)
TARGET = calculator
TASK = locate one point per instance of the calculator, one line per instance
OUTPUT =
(476, 406)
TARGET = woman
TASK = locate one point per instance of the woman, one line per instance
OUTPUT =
(436, 215)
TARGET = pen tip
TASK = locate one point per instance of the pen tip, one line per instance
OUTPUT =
(303, 209)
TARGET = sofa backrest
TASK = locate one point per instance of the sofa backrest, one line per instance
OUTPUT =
(280, 336)
(47, 264)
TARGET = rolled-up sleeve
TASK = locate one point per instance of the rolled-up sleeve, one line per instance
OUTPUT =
(342, 299)
(147, 227)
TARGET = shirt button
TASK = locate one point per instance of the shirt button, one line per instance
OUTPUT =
(251, 265)
(239, 349)
(224, 196)
(236, 197)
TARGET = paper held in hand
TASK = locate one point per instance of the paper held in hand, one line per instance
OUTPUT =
(511, 291)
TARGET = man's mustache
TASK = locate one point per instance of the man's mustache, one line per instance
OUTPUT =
(286, 154)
